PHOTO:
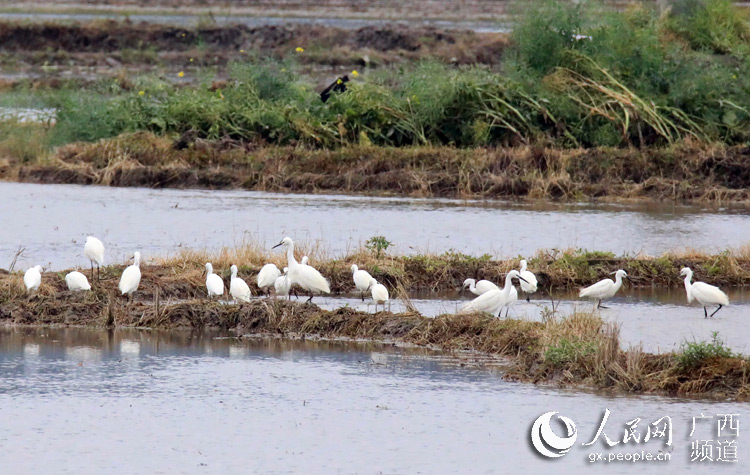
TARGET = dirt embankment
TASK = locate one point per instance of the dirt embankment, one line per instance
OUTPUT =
(580, 350)
(118, 45)
(687, 172)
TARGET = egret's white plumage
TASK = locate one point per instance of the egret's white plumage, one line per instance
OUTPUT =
(304, 260)
(93, 249)
(77, 281)
(494, 300)
(283, 284)
(512, 298)
(530, 286)
(268, 275)
(362, 280)
(214, 283)
(305, 276)
(379, 294)
(704, 293)
(32, 279)
(604, 289)
(131, 276)
(481, 287)
(238, 288)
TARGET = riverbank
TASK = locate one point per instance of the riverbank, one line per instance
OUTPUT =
(687, 172)
(181, 277)
(577, 351)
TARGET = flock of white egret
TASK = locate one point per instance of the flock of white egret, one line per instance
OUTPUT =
(490, 298)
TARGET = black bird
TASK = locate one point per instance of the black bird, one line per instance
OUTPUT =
(339, 85)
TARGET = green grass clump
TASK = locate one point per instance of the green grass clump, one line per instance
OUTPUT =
(568, 351)
(696, 354)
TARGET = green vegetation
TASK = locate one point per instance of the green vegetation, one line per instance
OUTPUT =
(568, 351)
(697, 353)
(377, 245)
(576, 75)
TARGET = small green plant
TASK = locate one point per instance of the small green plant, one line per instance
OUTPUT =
(568, 351)
(695, 354)
(377, 245)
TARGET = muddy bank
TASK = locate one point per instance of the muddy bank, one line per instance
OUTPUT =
(118, 45)
(182, 278)
(580, 350)
(686, 172)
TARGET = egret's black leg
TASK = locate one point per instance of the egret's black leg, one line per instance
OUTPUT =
(705, 312)
(716, 311)
(92, 271)
(527, 298)
(310, 299)
(600, 304)
(362, 294)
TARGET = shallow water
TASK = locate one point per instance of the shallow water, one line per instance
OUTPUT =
(658, 320)
(171, 402)
(257, 21)
(159, 222)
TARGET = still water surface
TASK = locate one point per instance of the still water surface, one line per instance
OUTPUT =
(90, 401)
(52, 221)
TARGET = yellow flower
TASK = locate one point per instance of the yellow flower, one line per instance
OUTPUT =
(191, 60)
(338, 81)
(141, 93)
(242, 51)
(283, 70)
(299, 49)
(181, 74)
(355, 73)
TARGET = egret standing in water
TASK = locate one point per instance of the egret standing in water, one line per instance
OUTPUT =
(379, 294)
(604, 289)
(361, 279)
(479, 288)
(238, 288)
(94, 252)
(32, 279)
(528, 287)
(493, 301)
(705, 294)
(283, 284)
(131, 276)
(267, 276)
(305, 276)
(214, 283)
(77, 281)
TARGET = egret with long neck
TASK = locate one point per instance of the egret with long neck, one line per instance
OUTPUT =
(704, 293)
(305, 276)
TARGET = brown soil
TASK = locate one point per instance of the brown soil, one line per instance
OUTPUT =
(685, 172)
(110, 46)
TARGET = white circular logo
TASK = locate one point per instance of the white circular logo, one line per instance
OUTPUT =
(544, 439)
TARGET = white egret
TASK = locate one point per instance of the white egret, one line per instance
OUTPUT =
(214, 283)
(94, 252)
(530, 286)
(304, 260)
(494, 300)
(478, 288)
(362, 280)
(512, 298)
(305, 276)
(705, 294)
(283, 284)
(238, 288)
(604, 289)
(131, 276)
(268, 275)
(77, 281)
(379, 294)
(32, 279)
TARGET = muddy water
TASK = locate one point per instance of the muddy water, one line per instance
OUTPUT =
(218, 405)
(159, 222)
(257, 21)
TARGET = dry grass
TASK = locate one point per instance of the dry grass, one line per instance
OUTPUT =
(683, 172)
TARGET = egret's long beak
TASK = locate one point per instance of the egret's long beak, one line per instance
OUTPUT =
(521, 278)
(277, 245)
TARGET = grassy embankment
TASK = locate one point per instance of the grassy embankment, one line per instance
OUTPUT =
(654, 104)
(578, 350)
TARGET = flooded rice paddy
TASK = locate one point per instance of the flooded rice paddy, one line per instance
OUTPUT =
(179, 402)
(52, 221)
